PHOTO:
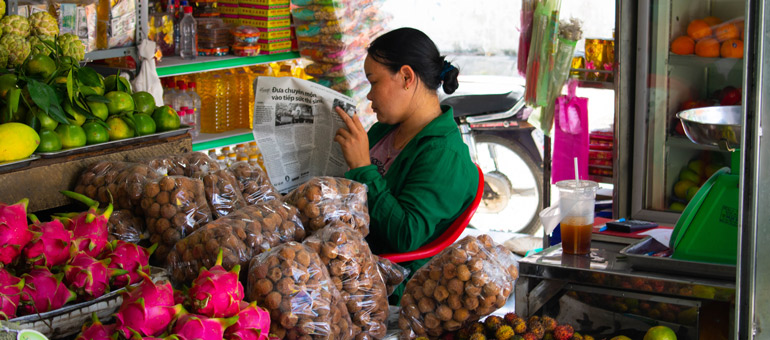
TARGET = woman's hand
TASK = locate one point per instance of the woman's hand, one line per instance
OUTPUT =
(353, 140)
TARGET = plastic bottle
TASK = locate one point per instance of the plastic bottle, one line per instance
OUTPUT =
(170, 92)
(254, 160)
(207, 116)
(222, 160)
(182, 99)
(231, 158)
(196, 102)
(213, 154)
(252, 149)
(188, 35)
(223, 98)
(240, 81)
(243, 159)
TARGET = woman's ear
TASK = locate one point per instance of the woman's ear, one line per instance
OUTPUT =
(410, 78)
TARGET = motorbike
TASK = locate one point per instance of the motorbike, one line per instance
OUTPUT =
(493, 125)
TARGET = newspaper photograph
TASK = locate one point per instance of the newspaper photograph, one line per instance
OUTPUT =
(294, 127)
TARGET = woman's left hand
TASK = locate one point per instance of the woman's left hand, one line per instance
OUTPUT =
(353, 140)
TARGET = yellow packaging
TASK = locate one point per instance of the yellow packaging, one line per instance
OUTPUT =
(277, 34)
(265, 2)
(263, 23)
(276, 46)
(231, 10)
(270, 12)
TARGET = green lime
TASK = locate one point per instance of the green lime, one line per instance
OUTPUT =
(144, 124)
(7, 82)
(119, 129)
(40, 66)
(75, 118)
(660, 333)
(49, 141)
(99, 110)
(144, 102)
(46, 122)
(111, 85)
(166, 118)
(71, 136)
(119, 102)
(95, 133)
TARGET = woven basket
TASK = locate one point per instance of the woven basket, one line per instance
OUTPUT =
(69, 319)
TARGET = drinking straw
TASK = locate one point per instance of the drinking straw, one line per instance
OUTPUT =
(577, 173)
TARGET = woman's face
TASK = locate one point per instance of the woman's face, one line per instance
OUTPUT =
(389, 99)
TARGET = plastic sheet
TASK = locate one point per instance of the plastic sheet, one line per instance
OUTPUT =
(354, 271)
(223, 192)
(392, 273)
(292, 283)
(255, 185)
(329, 200)
(126, 226)
(119, 183)
(468, 280)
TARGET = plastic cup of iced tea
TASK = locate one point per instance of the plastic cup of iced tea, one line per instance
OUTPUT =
(576, 202)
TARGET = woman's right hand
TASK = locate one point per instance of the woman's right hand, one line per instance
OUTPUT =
(353, 140)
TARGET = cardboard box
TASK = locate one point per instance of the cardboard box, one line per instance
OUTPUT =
(264, 11)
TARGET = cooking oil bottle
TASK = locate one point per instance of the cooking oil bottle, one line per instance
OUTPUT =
(222, 100)
(206, 90)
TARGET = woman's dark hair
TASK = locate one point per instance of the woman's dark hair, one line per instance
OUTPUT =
(408, 46)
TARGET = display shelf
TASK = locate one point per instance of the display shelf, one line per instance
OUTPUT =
(684, 142)
(696, 61)
(111, 53)
(600, 178)
(206, 141)
(174, 66)
(606, 85)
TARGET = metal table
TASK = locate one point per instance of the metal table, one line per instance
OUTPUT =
(603, 292)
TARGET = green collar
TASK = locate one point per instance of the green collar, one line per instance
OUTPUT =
(441, 126)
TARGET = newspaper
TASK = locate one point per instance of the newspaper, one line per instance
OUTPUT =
(294, 126)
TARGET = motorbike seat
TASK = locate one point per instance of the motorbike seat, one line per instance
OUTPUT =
(474, 105)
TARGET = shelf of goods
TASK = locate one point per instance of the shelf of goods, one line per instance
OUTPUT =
(175, 66)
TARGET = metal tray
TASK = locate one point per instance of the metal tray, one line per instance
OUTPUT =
(115, 143)
(638, 258)
(12, 165)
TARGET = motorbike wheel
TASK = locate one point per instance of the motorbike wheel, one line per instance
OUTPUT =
(513, 187)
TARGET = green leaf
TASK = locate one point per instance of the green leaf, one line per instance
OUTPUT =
(57, 114)
(70, 90)
(129, 119)
(88, 77)
(41, 94)
(100, 122)
(83, 109)
(13, 99)
(98, 99)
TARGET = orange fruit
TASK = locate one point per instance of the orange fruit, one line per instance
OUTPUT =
(698, 29)
(708, 48)
(739, 26)
(726, 32)
(683, 45)
(732, 48)
(712, 21)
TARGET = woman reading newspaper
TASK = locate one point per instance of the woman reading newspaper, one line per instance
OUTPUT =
(417, 169)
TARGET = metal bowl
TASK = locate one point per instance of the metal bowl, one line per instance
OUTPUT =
(718, 126)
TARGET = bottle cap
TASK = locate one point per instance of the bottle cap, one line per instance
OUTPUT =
(240, 159)
(221, 157)
(183, 109)
(191, 85)
(187, 9)
(254, 157)
(231, 155)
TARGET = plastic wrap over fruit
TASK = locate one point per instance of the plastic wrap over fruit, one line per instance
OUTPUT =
(468, 280)
(353, 271)
(255, 185)
(392, 273)
(241, 235)
(328, 200)
(171, 165)
(126, 226)
(293, 284)
(199, 164)
(223, 192)
(119, 183)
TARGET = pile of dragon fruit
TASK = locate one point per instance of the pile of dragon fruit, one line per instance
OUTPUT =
(45, 265)
(213, 308)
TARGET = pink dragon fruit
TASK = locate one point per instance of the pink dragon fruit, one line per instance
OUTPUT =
(191, 326)
(253, 323)
(132, 258)
(147, 309)
(43, 292)
(216, 293)
(96, 330)
(89, 277)
(50, 245)
(89, 228)
(14, 234)
(10, 294)
(136, 336)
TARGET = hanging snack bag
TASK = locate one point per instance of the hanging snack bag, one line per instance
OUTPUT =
(353, 270)
(468, 280)
(255, 185)
(241, 235)
(330, 200)
(119, 183)
(173, 208)
(293, 284)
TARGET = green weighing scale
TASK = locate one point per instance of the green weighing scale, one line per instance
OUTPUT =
(707, 230)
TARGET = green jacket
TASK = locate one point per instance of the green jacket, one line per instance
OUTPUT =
(427, 187)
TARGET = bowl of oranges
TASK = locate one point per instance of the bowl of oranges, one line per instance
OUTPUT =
(710, 37)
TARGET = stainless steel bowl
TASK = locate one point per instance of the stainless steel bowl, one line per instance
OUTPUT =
(718, 126)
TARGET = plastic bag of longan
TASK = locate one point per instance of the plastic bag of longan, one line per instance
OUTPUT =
(246, 232)
(119, 183)
(353, 270)
(223, 192)
(392, 273)
(293, 284)
(466, 281)
(324, 200)
(126, 226)
(173, 207)
(255, 185)
(171, 165)
(199, 164)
